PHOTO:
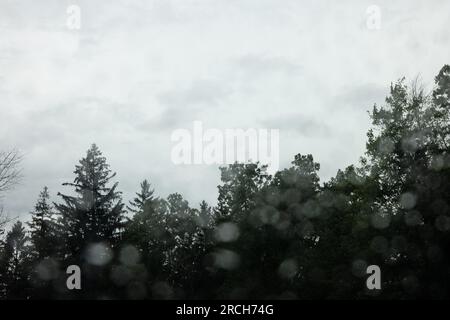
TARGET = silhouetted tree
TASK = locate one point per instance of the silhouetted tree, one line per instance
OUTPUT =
(44, 247)
(95, 214)
(280, 236)
(92, 223)
(9, 169)
(14, 263)
(142, 198)
(42, 228)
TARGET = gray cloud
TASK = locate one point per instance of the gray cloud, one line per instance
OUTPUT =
(185, 105)
(362, 97)
(139, 69)
(303, 125)
(258, 66)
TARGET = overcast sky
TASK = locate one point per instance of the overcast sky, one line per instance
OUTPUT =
(137, 70)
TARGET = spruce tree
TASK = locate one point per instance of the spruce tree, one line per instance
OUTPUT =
(144, 197)
(95, 213)
(43, 227)
(13, 267)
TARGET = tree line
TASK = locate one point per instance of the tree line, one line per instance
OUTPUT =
(280, 236)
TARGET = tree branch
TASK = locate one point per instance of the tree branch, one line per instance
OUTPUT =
(10, 172)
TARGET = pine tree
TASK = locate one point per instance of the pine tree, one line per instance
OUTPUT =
(13, 268)
(147, 231)
(95, 214)
(148, 219)
(144, 197)
(43, 227)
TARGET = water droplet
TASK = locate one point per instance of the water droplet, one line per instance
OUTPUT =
(408, 200)
(380, 220)
(385, 145)
(226, 259)
(99, 254)
(226, 232)
(442, 223)
(47, 269)
(129, 255)
(288, 268)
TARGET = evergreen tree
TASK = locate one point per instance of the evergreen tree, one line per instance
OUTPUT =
(147, 232)
(14, 263)
(144, 197)
(95, 213)
(42, 228)
(45, 247)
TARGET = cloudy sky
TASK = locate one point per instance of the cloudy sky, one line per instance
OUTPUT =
(136, 71)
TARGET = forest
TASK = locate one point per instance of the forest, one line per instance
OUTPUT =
(281, 236)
